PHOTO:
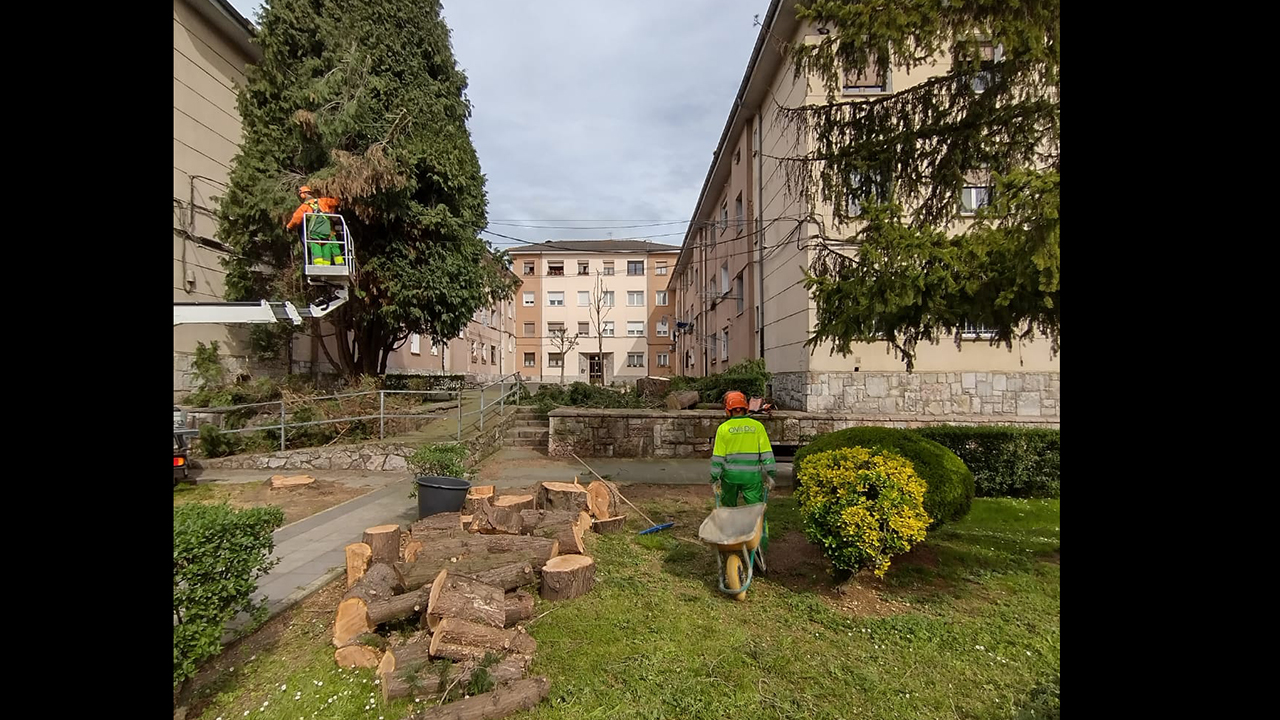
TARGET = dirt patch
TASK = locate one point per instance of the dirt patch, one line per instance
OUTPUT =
(798, 565)
(920, 555)
(297, 502)
(861, 597)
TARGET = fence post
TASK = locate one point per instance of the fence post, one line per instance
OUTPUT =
(281, 426)
(459, 415)
(482, 409)
(502, 399)
(382, 418)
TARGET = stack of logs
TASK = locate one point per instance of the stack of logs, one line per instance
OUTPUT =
(459, 577)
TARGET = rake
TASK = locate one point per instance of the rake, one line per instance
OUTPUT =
(653, 527)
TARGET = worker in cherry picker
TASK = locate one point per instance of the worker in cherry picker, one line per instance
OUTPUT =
(322, 240)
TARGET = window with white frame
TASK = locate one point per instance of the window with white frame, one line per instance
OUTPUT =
(972, 330)
(661, 268)
(493, 354)
(555, 360)
(635, 328)
(989, 55)
(606, 267)
(584, 267)
(635, 267)
(660, 298)
(415, 344)
(584, 329)
(724, 345)
(473, 351)
(870, 80)
(584, 298)
(664, 360)
(663, 330)
(555, 329)
(738, 293)
(528, 267)
(435, 349)
(607, 299)
(555, 268)
(529, 330)
(530, 360)
(635, 298)
(607, 328)
(973, 197)
(555, 299)
(635, 360)
(528, 299)
(724, 278)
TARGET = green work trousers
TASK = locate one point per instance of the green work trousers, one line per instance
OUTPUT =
(752, 492)
(326, 253)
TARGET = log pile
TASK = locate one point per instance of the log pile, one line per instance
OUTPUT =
(469, 580)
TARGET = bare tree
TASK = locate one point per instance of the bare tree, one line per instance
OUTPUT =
(601, 304)
(563, 343)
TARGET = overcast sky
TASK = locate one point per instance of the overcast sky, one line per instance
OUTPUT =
(599, 111)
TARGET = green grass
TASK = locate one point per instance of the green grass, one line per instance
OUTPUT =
(980, 636)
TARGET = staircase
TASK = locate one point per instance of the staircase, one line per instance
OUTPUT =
(528, 431)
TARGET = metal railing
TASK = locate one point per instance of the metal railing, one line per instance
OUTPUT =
(458, 396)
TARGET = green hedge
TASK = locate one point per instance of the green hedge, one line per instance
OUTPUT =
(1006, 461)
(218, 555)
(748, 377)
(951, 484)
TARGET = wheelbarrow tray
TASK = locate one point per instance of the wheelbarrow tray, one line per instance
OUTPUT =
(730, 528)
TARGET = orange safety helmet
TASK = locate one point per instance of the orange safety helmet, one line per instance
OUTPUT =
(734, 400)
(304, 190)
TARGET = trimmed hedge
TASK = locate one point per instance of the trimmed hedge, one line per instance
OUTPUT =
(950, 483)
(1006, 461)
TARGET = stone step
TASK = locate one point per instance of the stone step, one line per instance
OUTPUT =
(527, 443)
(527, 433)
(531, 422)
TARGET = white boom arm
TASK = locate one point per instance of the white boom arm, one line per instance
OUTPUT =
(248, 312)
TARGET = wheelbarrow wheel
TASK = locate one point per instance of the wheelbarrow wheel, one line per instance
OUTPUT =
(735, 575)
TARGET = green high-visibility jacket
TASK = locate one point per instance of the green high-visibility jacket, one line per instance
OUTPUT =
(741, 451)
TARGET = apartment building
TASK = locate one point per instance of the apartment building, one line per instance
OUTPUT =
(484, 351)
(738, 281)
(557, 328)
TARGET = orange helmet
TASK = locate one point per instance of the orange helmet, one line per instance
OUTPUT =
(734, 400)
(303, 190)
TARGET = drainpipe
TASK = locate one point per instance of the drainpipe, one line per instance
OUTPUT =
(760, 228)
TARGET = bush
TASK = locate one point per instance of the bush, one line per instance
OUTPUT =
(950, 483)
(218, 555)
(215, 443)
(861, 506)
(441, 460)
(580, 394)
(748, 377)
(1006, 461)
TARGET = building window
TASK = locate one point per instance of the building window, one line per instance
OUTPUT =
(737, 212)
(989, 55)
(493, 354)
(724, 279)
(584, 267)
(871, 80)
(660, 298)
(724, 216)
(555, 329)
(528, 329)
(663, 328)
(635, 360)
(861, 186)
(484, 316)
(555, 269)
(972, 330)
(607, 300)
(555, 360)
(661, 269)
(484, 356)
(473, 351)
(738, 294)
(528, 267)
(584, 298)
(528, 299)
(607, 267)
(607, 329)
(973, 197)
(415, 344)
(664, 360)
(737, 156)
(635, 267)
(530, 360)
(635, 298)
(584, 329)
(724, 345)
(435, 349)
(635, 328)
(555, 299)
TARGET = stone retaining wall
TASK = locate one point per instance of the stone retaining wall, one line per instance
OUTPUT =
(1010, 396)
(690, 433)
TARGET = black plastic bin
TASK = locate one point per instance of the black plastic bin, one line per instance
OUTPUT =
(440, 494)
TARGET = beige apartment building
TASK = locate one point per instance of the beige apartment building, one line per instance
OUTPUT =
(485, 351)
(561, 281)
(739, 278)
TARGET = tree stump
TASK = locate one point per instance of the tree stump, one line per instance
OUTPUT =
(358, 556)
(384, 541)
(568, 576)
(475, 496)
(500, 702)
(457, 596)
(515, 502)
(562, 496)
(600, 501)
(609, 525)
(460, 640)
(361, 656)
(282, 481)
(519, 607)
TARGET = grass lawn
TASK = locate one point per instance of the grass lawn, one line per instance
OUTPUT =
(965, 626)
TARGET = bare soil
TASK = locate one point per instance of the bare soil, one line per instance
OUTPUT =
(297, 502)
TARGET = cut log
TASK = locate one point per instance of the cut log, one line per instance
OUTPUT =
(411, 550)
(681, 400)
(515, 502)
(384, 540)
(568, 576)
(283, 481)
(531, 520)
(351, 622)
(399, 607)
(609, 525)
(500, 702)
(538, 547)
(569, 534)
(411, 657)
(459, 640)
(428, 681)
(378, 583)
(361, 656)
(466, 522)
(519, 607)
(506, 577)
(476, 495)
(489, 520)
(458, 596)
(562, 496)
(439, 521)
(472, 563)
(358, 555)
(600, 500)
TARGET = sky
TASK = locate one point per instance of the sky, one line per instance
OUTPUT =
(595, 114)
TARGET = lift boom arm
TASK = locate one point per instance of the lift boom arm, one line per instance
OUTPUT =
(248, 312)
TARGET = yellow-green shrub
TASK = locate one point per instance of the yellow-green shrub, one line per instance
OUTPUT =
(861, 506)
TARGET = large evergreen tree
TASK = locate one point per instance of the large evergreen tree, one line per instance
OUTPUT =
(896, 164)
(362, 100)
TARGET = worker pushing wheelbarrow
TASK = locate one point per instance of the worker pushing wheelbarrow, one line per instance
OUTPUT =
(739, 462)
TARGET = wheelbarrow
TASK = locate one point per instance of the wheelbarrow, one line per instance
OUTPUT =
(735, 533)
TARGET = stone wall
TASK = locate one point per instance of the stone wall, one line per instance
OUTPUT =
(690, 433)
(1012, 397)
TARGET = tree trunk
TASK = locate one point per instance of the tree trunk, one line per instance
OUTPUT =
(519, 607)
(474, 497)
(569, 534)
(399, 606)
(497, 703)
(411, 657)
(514, 502)
(562, 496)
(539, 548)
(567, 577)
(531, 520)
(473, 563)
(609, 525)
(439, 521)
(506, 577)
(428, 681)
(460, 640)
(379, 583)
(458, 596)
(384, 541)
(681, 400)
(489, 520)
(600, 500)
(361, 656)
(358, 556)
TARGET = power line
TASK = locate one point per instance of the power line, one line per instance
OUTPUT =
(515, 223)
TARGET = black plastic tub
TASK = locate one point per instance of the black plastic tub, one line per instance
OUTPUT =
(440, 494)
